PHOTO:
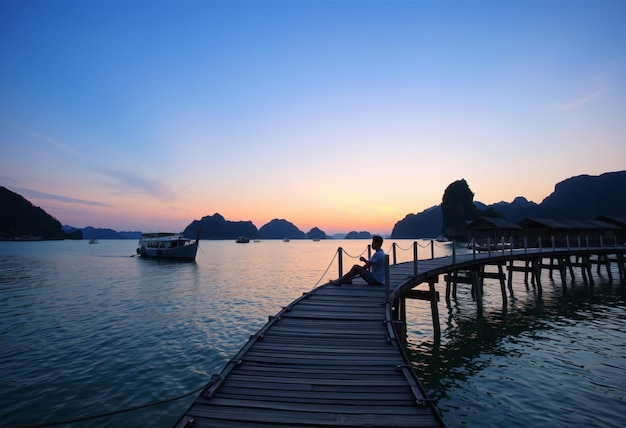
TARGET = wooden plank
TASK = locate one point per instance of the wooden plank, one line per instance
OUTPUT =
(356, 359)
(275, 382)
(237, 415)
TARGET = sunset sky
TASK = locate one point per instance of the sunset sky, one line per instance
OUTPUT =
(345, 115)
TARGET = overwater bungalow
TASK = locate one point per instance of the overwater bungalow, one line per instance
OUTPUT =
(619, 221)
(492, 229)
(589, 232)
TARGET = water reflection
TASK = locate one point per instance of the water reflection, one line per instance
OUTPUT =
(554, 348)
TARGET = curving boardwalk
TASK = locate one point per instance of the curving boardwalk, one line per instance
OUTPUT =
(333, 357)
(328, 359)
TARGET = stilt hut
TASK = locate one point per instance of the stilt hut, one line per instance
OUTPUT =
(492, 229)
(619, 221)
(560, 232)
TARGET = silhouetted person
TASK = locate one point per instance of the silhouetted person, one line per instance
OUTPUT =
(373, 271)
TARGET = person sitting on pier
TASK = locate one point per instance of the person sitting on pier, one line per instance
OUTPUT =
(373, 271)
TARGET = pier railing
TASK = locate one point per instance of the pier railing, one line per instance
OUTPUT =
(469, 267)
(487, 248)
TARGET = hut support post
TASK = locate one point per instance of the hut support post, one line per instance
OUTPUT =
(434, 310)
(502, 284)
(477, 285)
(536, 266)
(568, 260)
(562, 272)
(510, 278)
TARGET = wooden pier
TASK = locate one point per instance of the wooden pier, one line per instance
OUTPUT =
(335, 356)
(330, 358)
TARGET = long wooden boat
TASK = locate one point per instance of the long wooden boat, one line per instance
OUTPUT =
(168, 245)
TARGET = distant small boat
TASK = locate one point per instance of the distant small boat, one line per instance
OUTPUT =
(442, 238)
(93, 240)
(168, 245)
(242, 240)
(286, 239)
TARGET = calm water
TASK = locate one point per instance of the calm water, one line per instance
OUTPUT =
(89, 329)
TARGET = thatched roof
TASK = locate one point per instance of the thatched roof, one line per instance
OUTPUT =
(492, 223)
(566, 224)
(617, 220)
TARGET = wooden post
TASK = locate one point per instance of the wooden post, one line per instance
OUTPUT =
(340, 261)
(502, 284)
(399, 317)
(562, 272)
(393, 250)
(432, 249)
(453, 251)
(569, 265)
(620, 264)
(414, 258)
(434, 311)
(607, 263)
(551, 268)
(537, 274)
(387, 279)
(477, 284)
(510, 278)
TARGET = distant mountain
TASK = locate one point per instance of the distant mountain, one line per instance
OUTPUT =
(427, 224)
(99, 233)
(581, 197)
(316, 233)
(19, 219)
(587, 196)
(358, 235)
(279, 229)
(515, 211)
(217, 227)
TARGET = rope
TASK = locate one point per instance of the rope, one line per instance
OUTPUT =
(354, 257)
(326, 271)
(114, 412)
(410, 247)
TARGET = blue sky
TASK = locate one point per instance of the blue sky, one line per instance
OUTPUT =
(346, 115)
